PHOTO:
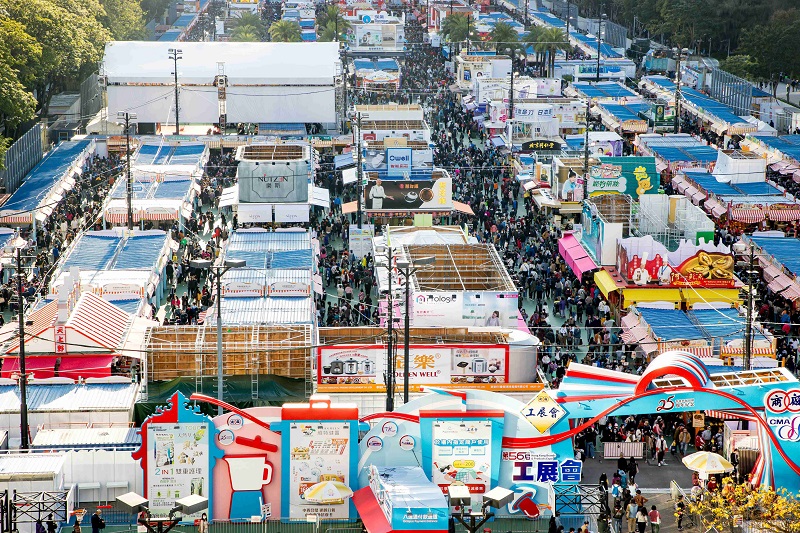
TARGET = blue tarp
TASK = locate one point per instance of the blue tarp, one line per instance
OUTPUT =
(171, 36)
(710, 184)
(184, 20)
(140, 252)
(785, 249)
(45, 175)
(177, 189)
(164, 154)
(591, 42)
(344, 160)
(101, 252)
(725, 324)
(670, 324)
(607, 89)
(786, 144)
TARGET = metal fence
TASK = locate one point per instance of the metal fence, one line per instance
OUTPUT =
(21, 157)
(91, 99)
(732, 91)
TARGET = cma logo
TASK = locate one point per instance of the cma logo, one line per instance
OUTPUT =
(273, 179)
(436, 299)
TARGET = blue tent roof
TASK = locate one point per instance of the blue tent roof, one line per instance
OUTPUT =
(661, 81)
(710, 184)
(171, 35)
(184, 20)
(670, 324)
(784, 249)
(108, 252)
(45, 175)
(786, 144)
(164, 154)
(604, 90)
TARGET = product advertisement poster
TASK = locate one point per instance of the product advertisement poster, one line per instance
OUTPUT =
(179, 464)
(361, 368)
(319, 452)
(462, 452)
(415, 195)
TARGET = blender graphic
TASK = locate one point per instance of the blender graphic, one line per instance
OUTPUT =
(249, 475)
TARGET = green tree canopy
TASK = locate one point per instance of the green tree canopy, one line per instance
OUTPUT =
(457, 27)
(124, 19)
(503, 34)
(285, 31)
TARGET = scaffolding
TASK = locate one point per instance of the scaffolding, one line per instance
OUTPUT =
(249, 350)
(462, 267)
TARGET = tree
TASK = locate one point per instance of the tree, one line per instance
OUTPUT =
(457, 27)
(740, 65)
(253, 23)
(531, 39)
(245, 34)
(155, 9)
(774, 46)
(328, 33)
(333, 16)
(124, 19)
(71, 37)
(503, 34)
(771, 510)
(285, 31)
(552, 40)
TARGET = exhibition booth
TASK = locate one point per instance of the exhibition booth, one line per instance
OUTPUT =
(328, 461)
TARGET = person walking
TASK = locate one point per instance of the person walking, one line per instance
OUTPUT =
(641, 519)
(680, 511)
(631, 512)
(655, 519)
(617, 516)
(98, 523)
(51, 524)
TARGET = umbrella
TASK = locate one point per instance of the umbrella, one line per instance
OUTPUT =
(707, 463)
(329, 492)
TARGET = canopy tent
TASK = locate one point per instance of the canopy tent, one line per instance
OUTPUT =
(575, 256)
(45, 185)
(611, 90)
(170, 199)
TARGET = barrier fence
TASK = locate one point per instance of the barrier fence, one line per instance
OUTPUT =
(611, 450)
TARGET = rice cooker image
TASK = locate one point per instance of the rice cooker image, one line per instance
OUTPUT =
(479, 365)
(351, 367)
(337, 367)
(367, 366)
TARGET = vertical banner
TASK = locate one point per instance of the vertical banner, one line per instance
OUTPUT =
(462, 451)
(180, 464)
(318, 452)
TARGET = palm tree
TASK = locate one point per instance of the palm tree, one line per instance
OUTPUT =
(553, 40)
(531, 39)
(252, 20)
(328, 33)
(333, 16)
(504, 36)
(457, 27)
(285, 31)
(245, 34)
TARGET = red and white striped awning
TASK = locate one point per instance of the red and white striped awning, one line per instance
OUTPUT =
(747, 215)
(160, 213)
(22, 218)
(700, 351)
(792, 292)
(730, 415)
(783, 212)
(43, 319)
(771, 272)
(121, 217)
(99, 321)
(710, 204)
(739, 350)
(780, 283)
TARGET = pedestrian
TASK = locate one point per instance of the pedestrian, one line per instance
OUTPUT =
(655, 519)
(51, 525)
(631, 511)
(680, 511)
(617, 515)
(641, 519)
(98, 523)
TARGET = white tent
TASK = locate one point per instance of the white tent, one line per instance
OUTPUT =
(267, 82)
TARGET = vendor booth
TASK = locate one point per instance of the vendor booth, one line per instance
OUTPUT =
(290, 462)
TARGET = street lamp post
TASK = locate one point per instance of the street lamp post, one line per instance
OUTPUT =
(175, 55)
(599, 42)
(679, 55)
(586, 152)
(408, 270)
(217, 271)
(514, 54)
(23, 376)
(740, 247)
(127, 117)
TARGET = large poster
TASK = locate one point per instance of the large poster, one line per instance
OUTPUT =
(179, 462)
(462, 451)
(268, 183)
(319, 451)
(363, 367)
(623, 175)
(416, 195)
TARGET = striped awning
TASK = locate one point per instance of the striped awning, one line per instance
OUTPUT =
(699, 351)
(771, 272)
(730, 415)
(780, 283)
(783, 212)
(690, 191)
(22, 218)
(160, 213)
(710, 204)
(121, 216)
(699, 195)
(739, 350)
(747, 215)
(792, 292)
(682, 186)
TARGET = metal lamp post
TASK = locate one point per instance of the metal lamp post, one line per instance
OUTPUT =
(127, 117)
(175, 55)
(599, 42)
(740, 247)
(514, 54)
(23, 376)
(408, 269)
(217, 271)
(679, 55)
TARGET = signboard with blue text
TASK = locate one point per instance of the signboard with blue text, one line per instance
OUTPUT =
(398, 161)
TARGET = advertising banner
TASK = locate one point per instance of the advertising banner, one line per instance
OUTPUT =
(462, 452)
(273, 183)
(416, 195)
(180, 464)
(318, 452)
(438, 364)
(624, 175)
(361, 239)
(291, 213)
(466, 308)
(377, 37)
(398, 161)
